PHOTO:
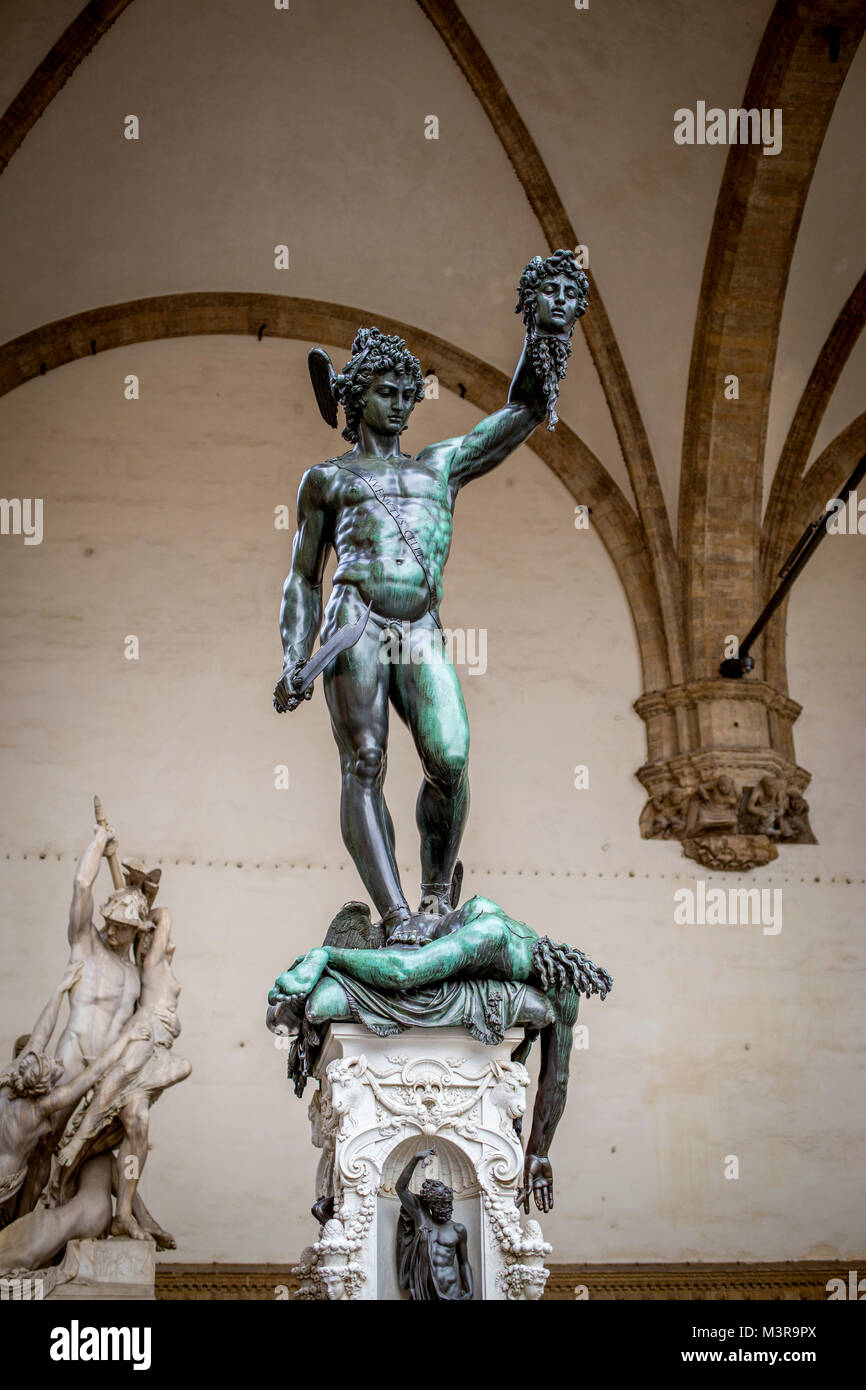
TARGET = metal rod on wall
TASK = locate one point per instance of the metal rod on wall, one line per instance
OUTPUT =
(734, 667)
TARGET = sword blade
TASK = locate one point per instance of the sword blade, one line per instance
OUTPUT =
(344, 638)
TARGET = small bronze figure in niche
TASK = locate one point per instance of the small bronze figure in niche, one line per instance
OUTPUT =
(432, 1262)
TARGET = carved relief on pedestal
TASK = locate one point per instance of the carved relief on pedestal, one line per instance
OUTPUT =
(523, 1248)
(329, 1268)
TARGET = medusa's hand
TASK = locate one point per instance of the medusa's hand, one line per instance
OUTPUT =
(538, 1182)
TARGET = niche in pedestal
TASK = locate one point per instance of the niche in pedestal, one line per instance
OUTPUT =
(450, 1166)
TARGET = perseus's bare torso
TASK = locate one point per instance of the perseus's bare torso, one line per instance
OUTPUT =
(372, 555)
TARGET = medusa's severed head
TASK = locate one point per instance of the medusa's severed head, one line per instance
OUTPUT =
(552, 295)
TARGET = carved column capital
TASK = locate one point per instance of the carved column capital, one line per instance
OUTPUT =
(724, 781)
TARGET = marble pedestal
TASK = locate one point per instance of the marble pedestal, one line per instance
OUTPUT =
(380, 1101)
(106, 1269)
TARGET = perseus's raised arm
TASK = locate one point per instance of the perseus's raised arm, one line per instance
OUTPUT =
(499, 434)
(551, 296)
(301, 611)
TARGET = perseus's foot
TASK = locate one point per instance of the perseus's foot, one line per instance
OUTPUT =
(415, 930)
(301, 978)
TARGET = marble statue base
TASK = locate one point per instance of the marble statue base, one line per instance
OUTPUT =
(105, 1269)
(381, 1100)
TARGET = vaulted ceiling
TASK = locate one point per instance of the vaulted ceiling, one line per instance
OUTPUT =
(306, 127)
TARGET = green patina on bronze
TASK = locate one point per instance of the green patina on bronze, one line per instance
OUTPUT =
(482, 968)
(389, 516)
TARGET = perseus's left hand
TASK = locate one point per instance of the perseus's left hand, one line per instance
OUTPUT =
(537, 1182)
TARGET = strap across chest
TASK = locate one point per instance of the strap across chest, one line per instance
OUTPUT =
(405, 530)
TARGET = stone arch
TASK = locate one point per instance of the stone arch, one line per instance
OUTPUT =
(283, 316)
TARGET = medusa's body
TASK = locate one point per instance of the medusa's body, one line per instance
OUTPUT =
(479, 942)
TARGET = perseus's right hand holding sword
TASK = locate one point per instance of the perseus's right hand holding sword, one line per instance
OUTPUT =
(296, 683)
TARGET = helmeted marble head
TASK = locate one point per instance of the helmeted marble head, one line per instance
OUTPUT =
(125, 913)
(138, 876)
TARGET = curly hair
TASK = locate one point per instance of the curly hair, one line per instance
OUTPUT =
(33, 1074)
(437, 1198)
(559, 263)
(549, 356)
(565, 967)
(372, 354)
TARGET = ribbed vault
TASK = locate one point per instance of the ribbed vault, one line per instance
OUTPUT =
(558, 229)
(54, 72)
(685, 600)
(754, 232)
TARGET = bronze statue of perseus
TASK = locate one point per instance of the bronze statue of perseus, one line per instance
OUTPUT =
(388, 516)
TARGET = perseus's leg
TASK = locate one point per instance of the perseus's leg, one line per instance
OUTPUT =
(427, 696)
(356, 690)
